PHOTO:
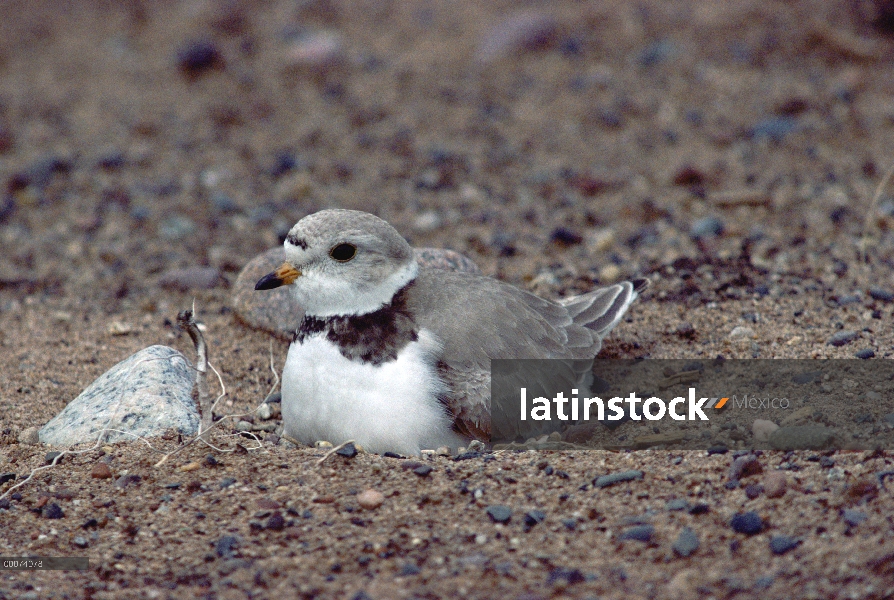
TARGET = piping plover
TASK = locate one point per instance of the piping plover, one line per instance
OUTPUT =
(397, 357)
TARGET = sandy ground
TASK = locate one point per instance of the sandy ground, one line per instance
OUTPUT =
(727, 151)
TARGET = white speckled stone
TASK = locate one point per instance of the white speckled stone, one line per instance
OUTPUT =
(146, 394)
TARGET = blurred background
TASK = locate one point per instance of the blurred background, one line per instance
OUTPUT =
(559, 144)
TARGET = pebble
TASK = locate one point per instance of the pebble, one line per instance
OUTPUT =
(370, 499)
(774, 128)
(640, 533)
(144, 395)
(780, 544)
(5, 477)
(677, 504)
(409, 569)
(686, 543)
(741, 332)
(882, 295)
(853, 517)
(534, 517)
(30, 436)
(707, 227)
(316, 50)
(226, 545)
(745, 466)
(763, 430)
(609, 273)
(562, 236)
(753, 491)
(80, 542)
(198, 56)
(748, 523)
(607, 480)
(775, 484)
(276, 522)
(191, 278)
(499, 513)
(527, 30)
(176, 227)
(276, 311)
(349, 450)
(53, 511)
(423, 470)
(805, 437)
(842, 338)
(101, 471)
(865, 353)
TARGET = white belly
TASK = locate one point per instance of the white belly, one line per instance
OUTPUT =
(392, 407)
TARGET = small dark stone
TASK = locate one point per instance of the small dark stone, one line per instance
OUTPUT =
(811, 377)
(467, 456)
(677, 504)
(763, 583)
(111, 160)
(707, 227)
(210, 461)
(569, 524)
(197, 57)
(781, 544)
(349, 450)
(685, 330)
(174, 485)
(731, 485)
(52, 511)
(127, 480)
(499, 513)
(607, 480)
(393, 455)
(5, 504)
(276, 522)
(686, 543)
(842, 338)
(409, 569)
(865, 353)
(423, 470)
(226, 482)
(51, 456)
(853, 517)
(640, 533)
(533, 517)
(565, 237)
(754, 490)
(226, 545)
(699, 509)
(719, 449)
(7, 477)
(826, 462)
(570, 576)
(774, 128)
(748, 523)
(689, 176)
(881, 295)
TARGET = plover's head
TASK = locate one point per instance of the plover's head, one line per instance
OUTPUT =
(343, 262)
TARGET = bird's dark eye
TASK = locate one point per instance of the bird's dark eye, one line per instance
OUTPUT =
(343, 252)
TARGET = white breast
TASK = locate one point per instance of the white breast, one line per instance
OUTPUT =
(392, 407)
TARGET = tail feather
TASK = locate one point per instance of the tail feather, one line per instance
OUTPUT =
(601, 310)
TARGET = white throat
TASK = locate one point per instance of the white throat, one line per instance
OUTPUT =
(323, 296)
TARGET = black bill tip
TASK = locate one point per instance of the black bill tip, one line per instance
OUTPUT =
(269, 282)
